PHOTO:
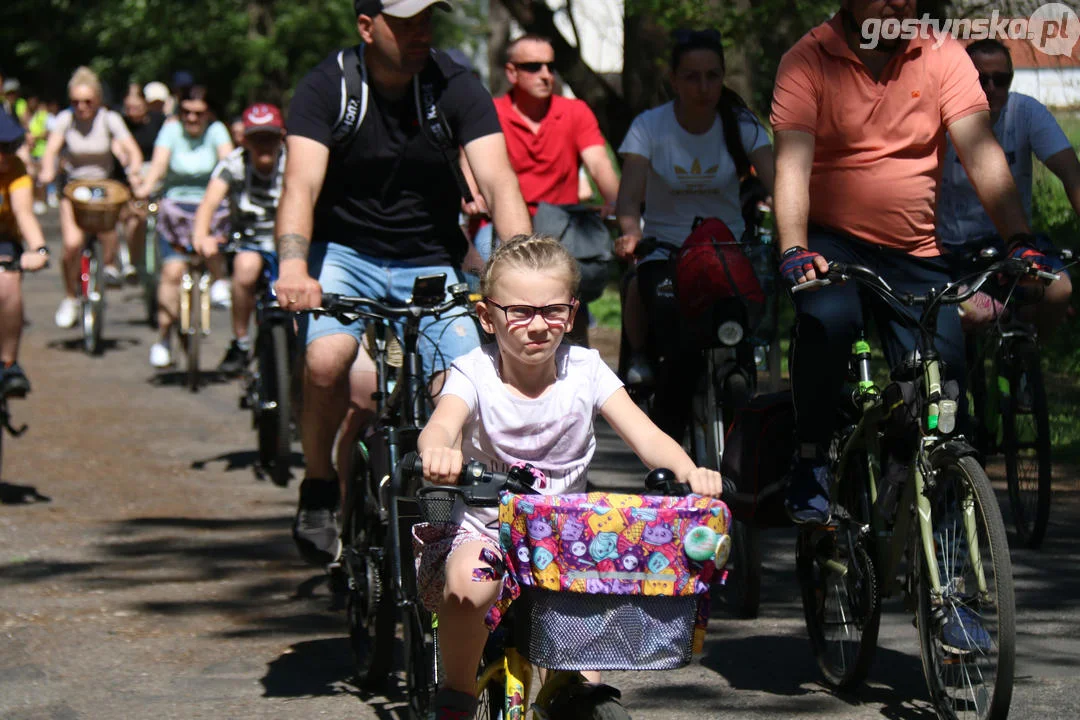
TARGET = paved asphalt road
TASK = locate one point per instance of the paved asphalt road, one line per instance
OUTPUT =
(145, 573)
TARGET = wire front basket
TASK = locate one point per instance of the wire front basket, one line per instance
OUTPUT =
(578, 631)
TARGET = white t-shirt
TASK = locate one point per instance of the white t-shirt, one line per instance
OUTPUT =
(689, 175)
(253, 197)
(553, 432)
(87, 153)
(1024, 127)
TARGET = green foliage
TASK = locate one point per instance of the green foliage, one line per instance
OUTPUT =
(244, 50)
(607, 309)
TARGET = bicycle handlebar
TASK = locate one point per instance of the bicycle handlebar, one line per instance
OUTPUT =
(479, 486)
(953, 293)
(349, 309)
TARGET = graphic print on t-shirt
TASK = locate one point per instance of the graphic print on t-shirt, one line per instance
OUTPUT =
(695, 180)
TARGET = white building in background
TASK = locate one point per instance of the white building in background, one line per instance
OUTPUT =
(600, 24)
(1053, 80)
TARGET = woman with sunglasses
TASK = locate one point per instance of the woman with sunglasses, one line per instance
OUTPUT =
(1023, 126)
(682, 160)
(185, 155)
(17, 226)
(83, 140)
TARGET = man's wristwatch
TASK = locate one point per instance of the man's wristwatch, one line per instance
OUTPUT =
(43, 251)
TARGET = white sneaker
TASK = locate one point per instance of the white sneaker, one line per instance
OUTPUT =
(68, 313)
(112, 276)
(40, 207)
(53, 201)
(160, 355)
(130, 273)
(220, 294)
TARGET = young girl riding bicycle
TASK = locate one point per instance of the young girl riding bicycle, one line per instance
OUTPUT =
(527, 398)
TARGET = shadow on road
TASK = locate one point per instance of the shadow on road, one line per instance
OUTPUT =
(11, 494)
(179, 378)
(243, 459)
(107, 344)
(325, 668)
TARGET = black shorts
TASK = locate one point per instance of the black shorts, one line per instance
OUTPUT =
(10, 249)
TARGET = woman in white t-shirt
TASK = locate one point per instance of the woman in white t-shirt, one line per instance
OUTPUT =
(682, 160)
(81, 143)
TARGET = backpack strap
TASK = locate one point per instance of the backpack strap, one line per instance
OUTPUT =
(354, 96)
(436, 129)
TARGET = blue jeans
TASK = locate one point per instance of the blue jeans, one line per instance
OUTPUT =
(483, 244)
(342, 270)
(827, 322)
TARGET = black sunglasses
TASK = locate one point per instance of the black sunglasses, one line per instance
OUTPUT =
(690, 37)
(1000, 79)
(534, 67)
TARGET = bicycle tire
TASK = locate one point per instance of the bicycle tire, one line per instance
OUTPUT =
(949, 673)
(93, 305)
(4, 419)
(369, 608)
(193, 338)
(491, 696)
(1026, 446)
(151, 271)
(419, 661)
(743, 589)
(844, 660)
(274, 429)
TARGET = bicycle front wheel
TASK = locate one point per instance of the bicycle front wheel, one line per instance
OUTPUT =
(93, 300)
(420, 661)
(275, 412)
(192, 338)
(967, 633)
(1026, 444)
(743, 588)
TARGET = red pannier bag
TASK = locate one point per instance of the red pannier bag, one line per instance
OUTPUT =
(712, 266)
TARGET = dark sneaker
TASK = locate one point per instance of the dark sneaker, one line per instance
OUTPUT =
(315, 530)
(963, 632)
(235, 360)
(807, 500)
(13, 382)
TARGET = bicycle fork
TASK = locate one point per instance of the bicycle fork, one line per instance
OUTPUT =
(187, 284)
(931, 547)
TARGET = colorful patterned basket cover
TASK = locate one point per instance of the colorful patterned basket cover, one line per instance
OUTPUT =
(613, 544)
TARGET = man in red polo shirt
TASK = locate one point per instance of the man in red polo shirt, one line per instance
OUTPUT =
(860, 137)
(549, 138)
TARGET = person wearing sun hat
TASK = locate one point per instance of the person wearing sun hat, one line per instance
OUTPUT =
(250, 180)
(382, 203)
(157, 96)
(17, 226)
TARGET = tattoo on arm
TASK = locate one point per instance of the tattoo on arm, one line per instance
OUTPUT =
(293, 246)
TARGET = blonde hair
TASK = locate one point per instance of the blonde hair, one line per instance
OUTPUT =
(535, 252)
(85, 77)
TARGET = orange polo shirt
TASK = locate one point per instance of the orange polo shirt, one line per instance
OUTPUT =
(879, 144)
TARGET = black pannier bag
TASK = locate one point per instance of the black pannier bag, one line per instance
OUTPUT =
(757, 457)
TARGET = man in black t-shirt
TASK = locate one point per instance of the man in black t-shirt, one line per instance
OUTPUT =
(367, 217)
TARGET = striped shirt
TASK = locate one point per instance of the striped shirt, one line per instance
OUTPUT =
(253, 197)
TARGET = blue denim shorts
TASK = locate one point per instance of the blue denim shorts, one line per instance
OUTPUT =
(342, 270)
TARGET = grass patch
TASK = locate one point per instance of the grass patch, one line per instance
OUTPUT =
(607, 309)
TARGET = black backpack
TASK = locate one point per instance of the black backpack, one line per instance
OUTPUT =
(354, 102)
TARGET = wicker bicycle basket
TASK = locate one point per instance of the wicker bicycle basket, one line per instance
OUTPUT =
(97, 203)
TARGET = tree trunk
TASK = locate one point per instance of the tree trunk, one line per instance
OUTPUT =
(499, 25)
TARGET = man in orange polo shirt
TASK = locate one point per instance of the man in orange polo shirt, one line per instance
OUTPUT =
(860, 138)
